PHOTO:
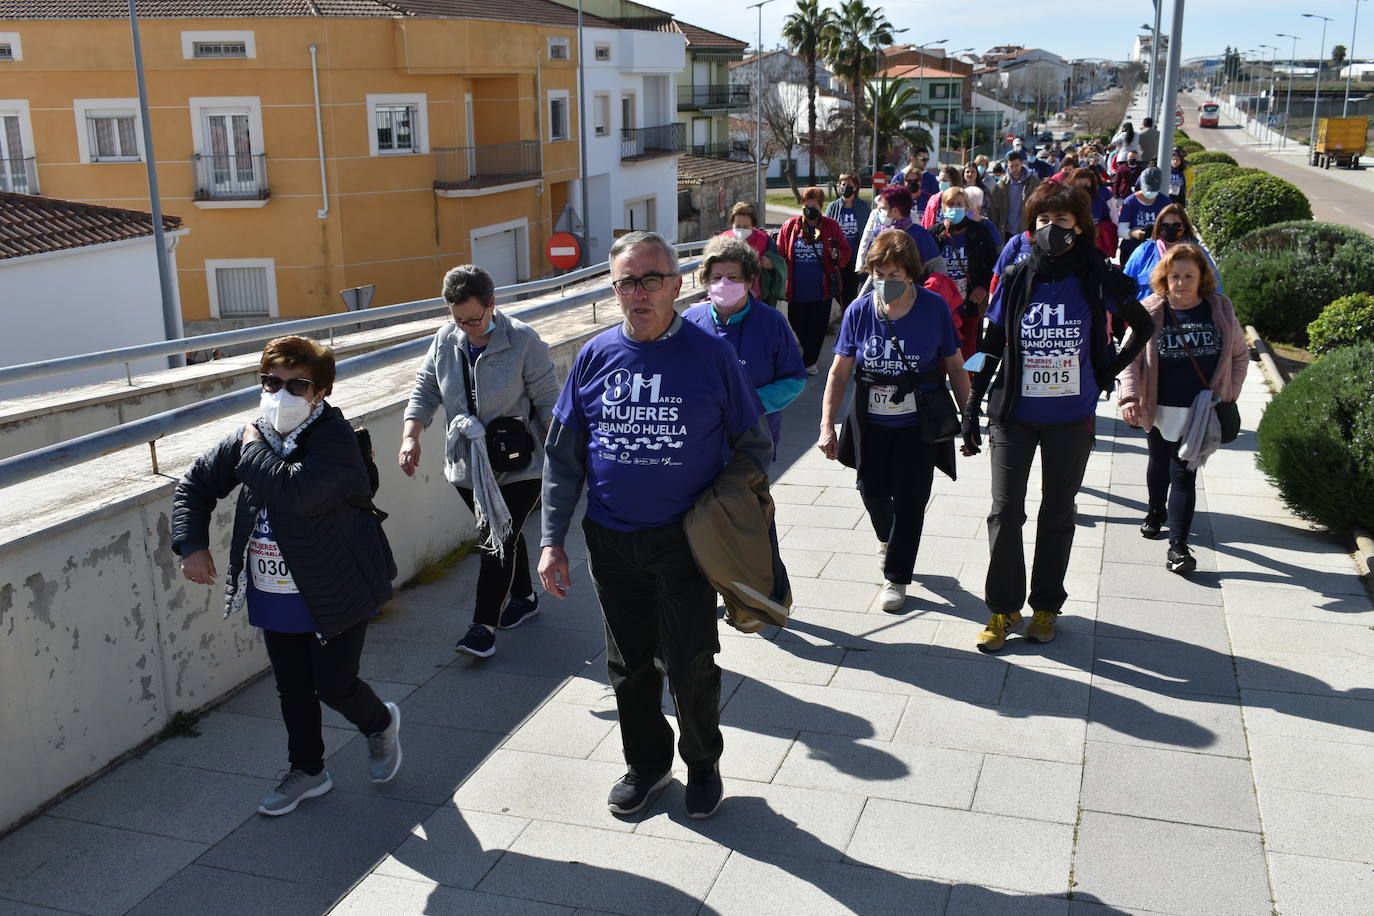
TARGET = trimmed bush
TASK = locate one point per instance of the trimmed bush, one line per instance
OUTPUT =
(1316, 440)
(1204, 176)
(1190, 148)
(1210, 157)
(1281, 277)
(1236, 205)
(1347, 321)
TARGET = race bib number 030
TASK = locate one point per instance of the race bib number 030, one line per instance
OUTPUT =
(1049, 376)
(268, 568)
(880, 402)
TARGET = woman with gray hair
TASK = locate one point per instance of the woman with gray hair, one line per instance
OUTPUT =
(761, 336)
(496, 382)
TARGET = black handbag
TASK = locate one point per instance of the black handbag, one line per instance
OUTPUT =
(510, 445)
(938, 413)
(1228, 414)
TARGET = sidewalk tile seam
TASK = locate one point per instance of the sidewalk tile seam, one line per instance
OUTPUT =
(1164, 820)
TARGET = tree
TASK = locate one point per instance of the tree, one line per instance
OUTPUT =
(803, 30)
(899, 114)
(782, 105)
(1338, 55)
(851, 46)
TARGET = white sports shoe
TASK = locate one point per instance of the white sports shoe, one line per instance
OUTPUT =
(893, 596)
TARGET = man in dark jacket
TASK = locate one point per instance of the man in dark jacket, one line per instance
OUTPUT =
(308, 558)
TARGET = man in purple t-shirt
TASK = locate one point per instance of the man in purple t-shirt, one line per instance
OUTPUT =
(652, 411)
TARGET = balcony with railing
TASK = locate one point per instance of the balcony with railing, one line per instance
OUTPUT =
(19, 176)
(718, 95)
(472, 168)
(639, 143)
(730, 149)
(231, 177)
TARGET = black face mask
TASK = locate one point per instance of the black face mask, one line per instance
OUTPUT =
(847, 191)
(1054, 240)
(811, 213)
(1171, 232)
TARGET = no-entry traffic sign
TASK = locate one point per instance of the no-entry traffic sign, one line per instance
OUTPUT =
(879, 181)
(564, 250)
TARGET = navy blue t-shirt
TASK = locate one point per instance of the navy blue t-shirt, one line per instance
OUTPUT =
(274, 603)
(658, 417)
(1057, 384)
(1017, 249)
(1136, 214)
(955, 252)
(808, 275)
(849, 225)
(1179, 382)
(926, 334)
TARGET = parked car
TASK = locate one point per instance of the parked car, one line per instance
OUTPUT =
(1207, 114)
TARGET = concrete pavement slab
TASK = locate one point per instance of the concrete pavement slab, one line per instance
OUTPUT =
(1333, 639)
(1345, 675)
(562, 729)
(87, 868)
(1061, 692)
(791, 494)
(1040, 790)
(1311, 824)
(955, 845)
(453, 847)
(860, 541)
(1159, 664)
(797, 663)
(434, 760)
(1007, 730)
(917, 674)
(1307, 886)
(882, 769)
(1170, 868)
(230, 743)
(405, 661)
(1322, 767)
(1178, 786)
(383, 893)
(1142, 618)
(829, 710)
(973, 900)
(220, 892)
(864, 631)
(807, 563)
(779, 885)
(1072, 648)
(1165, 719)
(1244, 600)
(1320, 718)
(260, 699)
(542, 786)
(620, 872)
(753, 753)
(508, 699)
(844, 518)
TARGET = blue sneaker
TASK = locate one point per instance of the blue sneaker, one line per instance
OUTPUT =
(479, 641)
(518, 610)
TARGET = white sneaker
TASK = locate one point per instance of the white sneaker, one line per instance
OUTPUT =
(882, 548)
(892, 597)
(812, 370)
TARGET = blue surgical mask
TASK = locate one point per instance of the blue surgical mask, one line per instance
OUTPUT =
(955, 214)
(1149, 195)
(982, 170)
(944, 186)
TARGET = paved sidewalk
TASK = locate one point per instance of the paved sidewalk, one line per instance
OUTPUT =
(1186, 746)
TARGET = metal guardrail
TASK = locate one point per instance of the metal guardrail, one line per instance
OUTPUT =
(231, 176)
(126, 355)
(48, 459)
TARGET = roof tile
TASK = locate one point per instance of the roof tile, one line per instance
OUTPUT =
(39, 225)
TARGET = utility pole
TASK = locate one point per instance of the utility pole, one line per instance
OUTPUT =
(1166, 130)
(1288, 102)
(1350, 60)
(758, 124)
(1317, 97)
(1154, 61)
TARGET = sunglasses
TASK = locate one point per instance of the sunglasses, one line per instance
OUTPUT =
(300, 387)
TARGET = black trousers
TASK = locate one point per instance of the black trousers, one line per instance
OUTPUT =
(849, 283)
(1064, 450)
(308, 673)
(810, 321)
(660, 616)
(894, 480)
(1171, 484)
(508, 574)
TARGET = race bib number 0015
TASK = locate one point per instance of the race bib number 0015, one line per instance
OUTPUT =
(1049, 376)
(880, 402)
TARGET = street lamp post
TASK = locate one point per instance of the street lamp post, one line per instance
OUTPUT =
(1269, 99)
(1154, 88)
(1350, 61)
(949, 95)
(758, 121)
(1317, 96)
(877, 66)
(1288, 102)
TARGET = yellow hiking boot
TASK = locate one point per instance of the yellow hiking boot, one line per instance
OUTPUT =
(994, 635)
(1041, 627)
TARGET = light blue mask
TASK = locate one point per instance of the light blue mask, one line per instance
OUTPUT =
(982, 170)
(955, 214)
(944, 186)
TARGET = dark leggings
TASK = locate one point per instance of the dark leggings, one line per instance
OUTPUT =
(308, 673)
(509, 574)
(897, 470)
(810, 321)
(1171, 484)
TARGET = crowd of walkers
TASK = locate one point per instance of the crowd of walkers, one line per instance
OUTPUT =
(986, 289)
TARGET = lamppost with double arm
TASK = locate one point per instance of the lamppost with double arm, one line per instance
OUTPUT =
(1321, 64)
(1288, 102)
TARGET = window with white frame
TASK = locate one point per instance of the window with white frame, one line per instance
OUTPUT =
(602, 52)
(601, 113)
(10, 48)
(16, 148)
(558, 49)
(107, 129)
(218, 45)
(397, 124)
(242, 287)
(558, 114)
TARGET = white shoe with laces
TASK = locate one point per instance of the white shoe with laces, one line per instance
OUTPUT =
(892, 597)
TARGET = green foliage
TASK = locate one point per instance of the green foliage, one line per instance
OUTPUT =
(1208, 157)
(1236, 205)
(899, 109)
(1281, 277)
(1204, 176)
(1190, 148)
(1346, 321)
(1316, 440)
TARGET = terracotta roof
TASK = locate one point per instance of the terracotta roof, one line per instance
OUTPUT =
(38, 225)
(694, 170)
(916, 71)
(698, 37)
(542, 12)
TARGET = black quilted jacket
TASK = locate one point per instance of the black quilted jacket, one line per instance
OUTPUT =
(336, 550)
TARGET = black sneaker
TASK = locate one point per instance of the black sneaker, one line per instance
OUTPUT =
(479, 641)
(704, 794)
(633, 792)
(1154, 521)
(1180, 559)
(518, 610)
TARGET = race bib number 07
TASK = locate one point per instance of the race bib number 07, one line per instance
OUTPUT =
(880, 402)
(1049, 376)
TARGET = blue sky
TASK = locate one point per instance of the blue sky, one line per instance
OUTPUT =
(1071, 30)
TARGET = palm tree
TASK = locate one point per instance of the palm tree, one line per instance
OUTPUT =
(804, 32)
(850, 46)
(898, 111)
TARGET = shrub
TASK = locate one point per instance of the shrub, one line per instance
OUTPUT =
(1190, 148)
(1281, 277)
(1210, 157)
(1240, 203)
(1347, 321)
(1316, 440)
(1204, 176)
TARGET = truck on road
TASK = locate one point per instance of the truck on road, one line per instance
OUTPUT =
(1341, 141)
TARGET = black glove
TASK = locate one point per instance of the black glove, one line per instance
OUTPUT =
(973, 437)
(969, 309)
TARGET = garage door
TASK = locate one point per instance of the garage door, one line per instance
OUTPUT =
(499, 254)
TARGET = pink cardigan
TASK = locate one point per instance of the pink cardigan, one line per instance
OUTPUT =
(1140, 380)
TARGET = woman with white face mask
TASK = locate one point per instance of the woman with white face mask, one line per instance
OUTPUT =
(761, 336)
(495, 380)
(308, 559)
(744, 225)
(899, 344)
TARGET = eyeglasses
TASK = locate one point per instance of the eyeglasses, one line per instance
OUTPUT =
(650, 283)
(297, 386)
(471, 322)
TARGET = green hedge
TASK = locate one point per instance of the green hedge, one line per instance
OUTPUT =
(1241, 203)
(1347, 321)
(1190, 148)
(1316, 440)
(1204, 176)
(1281, 277)
(1211, 157)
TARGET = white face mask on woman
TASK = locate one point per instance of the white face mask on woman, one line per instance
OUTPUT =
(284, 411)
